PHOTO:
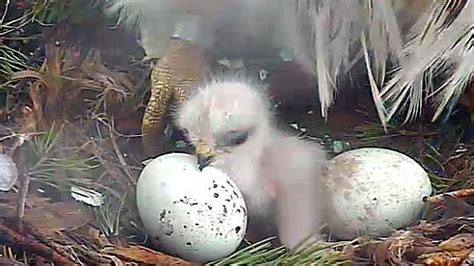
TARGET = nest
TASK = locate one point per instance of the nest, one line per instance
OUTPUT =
(72, 117)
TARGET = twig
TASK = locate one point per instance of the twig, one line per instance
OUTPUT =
(460, 194)
(110, 125)
(143, 255)
(13, 29)
(13, 238)
(10, 262)
(23, 191)
(7, 5)
(119, 155)
(122, 161)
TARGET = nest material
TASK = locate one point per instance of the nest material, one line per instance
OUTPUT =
(63, 142)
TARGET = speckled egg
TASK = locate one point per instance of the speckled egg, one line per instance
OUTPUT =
(194, 215)
(8, 172)
(373, 191)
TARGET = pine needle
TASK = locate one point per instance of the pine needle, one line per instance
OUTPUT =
(262, 252)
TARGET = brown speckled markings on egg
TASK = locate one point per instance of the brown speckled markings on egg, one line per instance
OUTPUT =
(181, 213)
(181, 68)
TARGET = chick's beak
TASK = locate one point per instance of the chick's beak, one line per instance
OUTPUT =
(204, 156)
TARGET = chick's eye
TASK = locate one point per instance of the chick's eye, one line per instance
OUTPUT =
(184, 132)
(233, 138)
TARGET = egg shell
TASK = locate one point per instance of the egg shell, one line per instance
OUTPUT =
(194, 215)
(373, 191)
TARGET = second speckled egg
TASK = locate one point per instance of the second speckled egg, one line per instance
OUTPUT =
(373, 191)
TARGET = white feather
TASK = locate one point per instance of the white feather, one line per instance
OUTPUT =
(426, 54)
(324, 36)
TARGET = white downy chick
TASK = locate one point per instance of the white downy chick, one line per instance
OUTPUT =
(230, 124)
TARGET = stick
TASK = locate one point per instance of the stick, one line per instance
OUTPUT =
(460, 194)
(13, 238)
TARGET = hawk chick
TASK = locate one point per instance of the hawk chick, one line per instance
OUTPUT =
(230, 124)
